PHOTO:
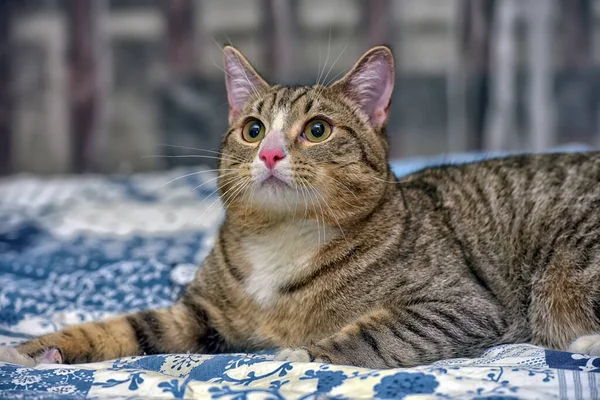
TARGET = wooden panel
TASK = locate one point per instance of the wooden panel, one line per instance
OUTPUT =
(5, 88)
(40, 116)
(89, 83)
(380, 22)
(279, 29)
(181, 59)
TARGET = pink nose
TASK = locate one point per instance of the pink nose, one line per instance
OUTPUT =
(271, 156)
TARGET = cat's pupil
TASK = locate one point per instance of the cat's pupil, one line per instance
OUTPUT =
(254, 130)
(317, 129)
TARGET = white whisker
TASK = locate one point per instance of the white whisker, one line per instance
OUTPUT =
(245, 192)
(194, 173)
(343, 71)
(340, 184)
(213, 179)
(293, 219)
(321, 209)
(235, 194)
(331, 211)
(190, 156)
(333, 65)
(241, 181)
(220, 153)
(305, 206)
(327, 58)
(383, 180)
(316, 217)
(319, 68)
(251, 201)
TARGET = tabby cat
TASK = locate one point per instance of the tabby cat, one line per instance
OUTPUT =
(326, 256)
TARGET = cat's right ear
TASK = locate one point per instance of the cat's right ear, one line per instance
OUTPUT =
(242, 81)
(370, 84)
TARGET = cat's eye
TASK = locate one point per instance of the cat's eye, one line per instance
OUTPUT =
(253, 131)
(316, 130)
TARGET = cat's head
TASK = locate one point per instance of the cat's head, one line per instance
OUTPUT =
(307, 151)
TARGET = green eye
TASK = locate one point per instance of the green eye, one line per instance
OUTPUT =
(253, 131)
(316, 130)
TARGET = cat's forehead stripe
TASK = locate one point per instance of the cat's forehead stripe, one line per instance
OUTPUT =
(259, 107)
(285, 97)
(299, 95)
(273, 100)
(308, 106)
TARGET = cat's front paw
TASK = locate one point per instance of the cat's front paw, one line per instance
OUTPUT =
(298, 355)
(589, 344)
(13, 356)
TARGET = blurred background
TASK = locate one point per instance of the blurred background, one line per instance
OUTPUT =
(130, 85)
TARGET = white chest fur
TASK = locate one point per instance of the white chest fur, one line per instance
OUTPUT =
(281, 257)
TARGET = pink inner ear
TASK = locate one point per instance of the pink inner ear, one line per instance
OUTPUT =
(242, 82)
(372, 85)
(239, 83)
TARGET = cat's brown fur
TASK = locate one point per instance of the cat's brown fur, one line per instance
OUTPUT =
(350, 266)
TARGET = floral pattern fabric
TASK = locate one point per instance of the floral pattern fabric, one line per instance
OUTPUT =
(77, 249)
(506, 372)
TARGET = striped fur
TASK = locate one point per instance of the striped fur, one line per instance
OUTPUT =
(360, 268)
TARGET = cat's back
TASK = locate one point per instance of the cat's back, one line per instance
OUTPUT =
(513, 215)
(525, 165)
(543, 181)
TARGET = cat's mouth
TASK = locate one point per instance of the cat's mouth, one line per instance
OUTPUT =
(274, 186)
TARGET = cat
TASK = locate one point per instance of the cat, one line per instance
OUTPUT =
(326, 256)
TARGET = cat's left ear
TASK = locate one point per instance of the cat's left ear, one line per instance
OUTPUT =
(370, 83)
(242, 81)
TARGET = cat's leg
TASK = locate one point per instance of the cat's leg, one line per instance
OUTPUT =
(413, 335)
(13, 356)
(563, 311)
(181, 328)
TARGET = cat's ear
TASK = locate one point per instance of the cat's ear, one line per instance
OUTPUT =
(242, 81)
(370, 83)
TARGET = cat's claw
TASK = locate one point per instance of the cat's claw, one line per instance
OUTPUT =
(296, 355)
(13, 356)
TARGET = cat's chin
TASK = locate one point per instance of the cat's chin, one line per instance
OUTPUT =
(275, 194)
(274, 183)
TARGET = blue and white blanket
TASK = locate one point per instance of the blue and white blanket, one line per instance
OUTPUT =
(77, 249)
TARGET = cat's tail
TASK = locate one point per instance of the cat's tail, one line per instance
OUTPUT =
(181, 328)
